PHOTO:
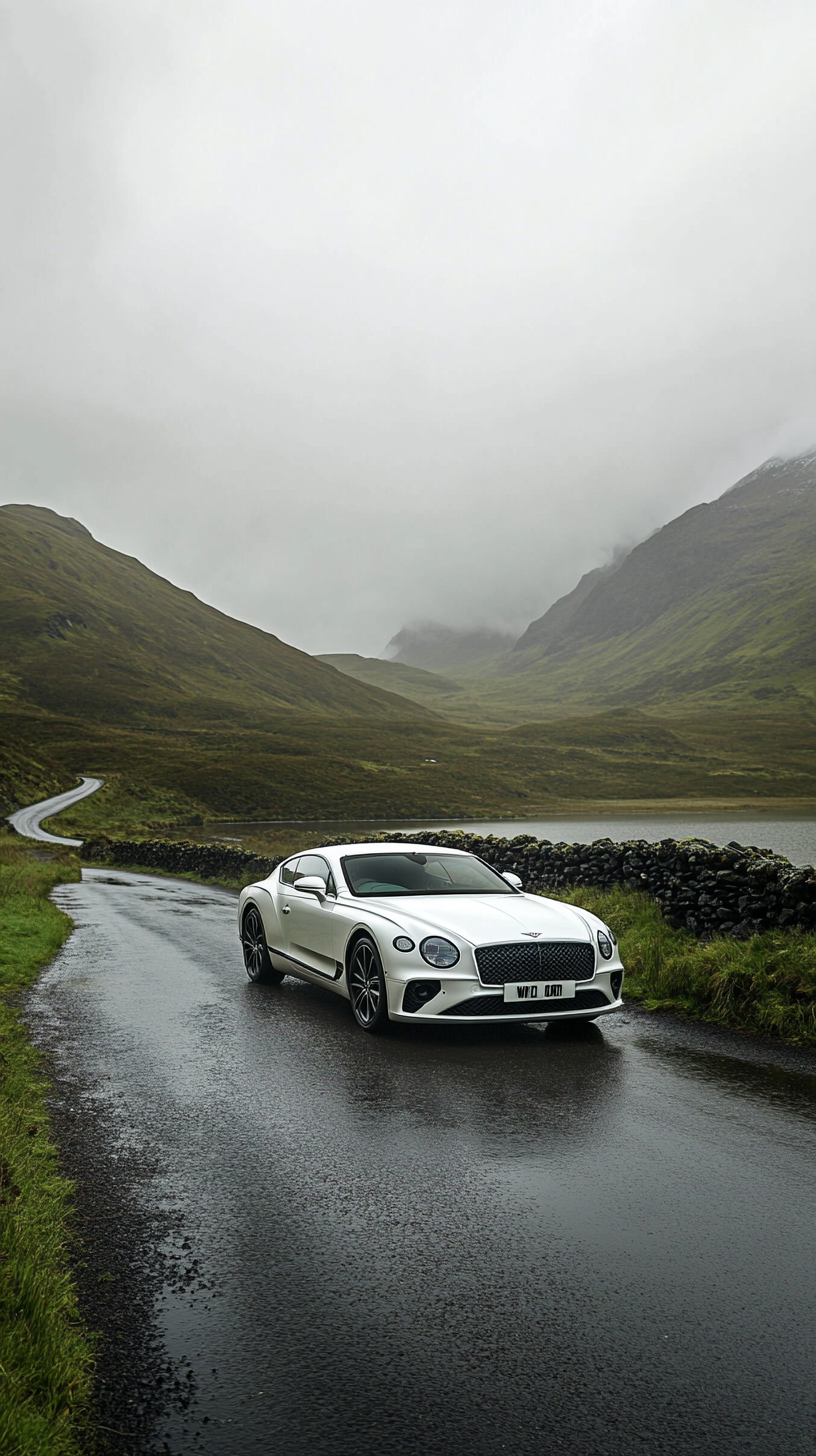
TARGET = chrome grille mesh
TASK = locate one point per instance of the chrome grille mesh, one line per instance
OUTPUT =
(548, 960)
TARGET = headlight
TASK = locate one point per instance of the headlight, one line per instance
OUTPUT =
(439, 952)
(605, 945)
(402, 942)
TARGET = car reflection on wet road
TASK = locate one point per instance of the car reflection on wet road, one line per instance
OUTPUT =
(445, 1240)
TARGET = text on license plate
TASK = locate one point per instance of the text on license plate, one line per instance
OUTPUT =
(540, 991)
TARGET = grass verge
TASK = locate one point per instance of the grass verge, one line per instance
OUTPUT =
(765, 986)
(45, 1355)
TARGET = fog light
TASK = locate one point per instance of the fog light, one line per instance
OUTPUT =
(419, 993)
(616, 981)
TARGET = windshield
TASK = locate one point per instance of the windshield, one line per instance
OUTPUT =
(422, 874)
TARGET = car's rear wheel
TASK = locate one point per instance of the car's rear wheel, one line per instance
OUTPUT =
(366, 983)
(258, 964)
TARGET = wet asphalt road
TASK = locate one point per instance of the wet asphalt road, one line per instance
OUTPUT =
(27, 821)
(460, 1242)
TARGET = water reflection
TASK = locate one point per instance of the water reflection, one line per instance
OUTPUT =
(515, 1090)
(790, 1090)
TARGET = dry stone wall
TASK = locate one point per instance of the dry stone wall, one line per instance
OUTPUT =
(737, 890)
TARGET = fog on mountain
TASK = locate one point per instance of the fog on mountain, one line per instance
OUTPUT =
(346, 317)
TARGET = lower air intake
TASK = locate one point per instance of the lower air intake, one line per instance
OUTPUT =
(418, 993)
(496, 1006)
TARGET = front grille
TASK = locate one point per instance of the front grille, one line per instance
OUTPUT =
(548, 960)
(496, 1006)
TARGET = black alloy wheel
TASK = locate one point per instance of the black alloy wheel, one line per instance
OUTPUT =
(366, 984)
(259, 967)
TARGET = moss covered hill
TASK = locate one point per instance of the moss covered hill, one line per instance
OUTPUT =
(428, 688)
(85, 630)
(717, 610)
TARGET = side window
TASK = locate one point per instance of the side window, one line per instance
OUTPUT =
(287, 872)
(314, 864)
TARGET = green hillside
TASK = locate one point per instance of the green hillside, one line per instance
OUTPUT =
(190, 716)
(415, 683)
(294, 767)
(715, 611)
(85, 630)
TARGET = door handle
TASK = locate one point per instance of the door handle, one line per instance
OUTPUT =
(286, 909)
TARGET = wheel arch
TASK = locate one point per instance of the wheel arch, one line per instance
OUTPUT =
(258, 898)
(248, 904)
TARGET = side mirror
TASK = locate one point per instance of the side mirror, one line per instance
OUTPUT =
(312, 885)
(512, 879)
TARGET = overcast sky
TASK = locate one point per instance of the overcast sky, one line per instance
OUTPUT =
(343, 313)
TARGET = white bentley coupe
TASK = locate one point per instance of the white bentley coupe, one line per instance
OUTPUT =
(410, 933)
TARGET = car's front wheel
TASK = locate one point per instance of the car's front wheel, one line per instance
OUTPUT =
(366, 983)
(258, 964)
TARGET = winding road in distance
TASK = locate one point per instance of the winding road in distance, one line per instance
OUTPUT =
(27, 821)
(442, 1242)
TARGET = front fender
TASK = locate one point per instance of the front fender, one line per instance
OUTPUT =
(381, 929)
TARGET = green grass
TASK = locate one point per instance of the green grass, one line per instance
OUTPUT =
(296, 767)
(128, 809)
(765, 986)
(45, 1354)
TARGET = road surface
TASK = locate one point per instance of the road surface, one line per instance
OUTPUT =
(27, 821)
(453, 1241)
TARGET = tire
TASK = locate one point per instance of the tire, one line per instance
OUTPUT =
(256, 952)
(366, 986)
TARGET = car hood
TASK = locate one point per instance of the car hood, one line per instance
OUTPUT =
(482, 919)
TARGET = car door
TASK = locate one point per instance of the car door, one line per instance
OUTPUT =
(309, 925)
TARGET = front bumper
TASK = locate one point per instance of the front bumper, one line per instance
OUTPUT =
(464, 1000)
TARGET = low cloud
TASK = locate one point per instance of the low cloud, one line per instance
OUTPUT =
(350, 315)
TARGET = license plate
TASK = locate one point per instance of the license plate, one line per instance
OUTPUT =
(540, 991)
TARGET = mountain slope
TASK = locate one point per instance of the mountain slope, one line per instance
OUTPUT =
(412, 682)
(88, 631)
(440, 649)
(718, 609)
(547, 630)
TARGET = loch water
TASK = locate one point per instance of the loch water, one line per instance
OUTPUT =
(792, 834)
